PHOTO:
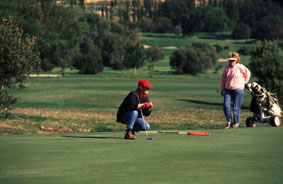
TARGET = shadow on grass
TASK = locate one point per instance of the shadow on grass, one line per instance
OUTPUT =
(206, 103)
(24, 116)
(246, 42)
(93, 137)
(163, 36)
(216, 37)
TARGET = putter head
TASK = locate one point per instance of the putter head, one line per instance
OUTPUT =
(149, 138)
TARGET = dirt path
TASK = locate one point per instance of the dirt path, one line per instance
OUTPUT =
(44, 75)
(169, 47)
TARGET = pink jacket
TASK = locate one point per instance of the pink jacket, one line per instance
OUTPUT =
(235, 77)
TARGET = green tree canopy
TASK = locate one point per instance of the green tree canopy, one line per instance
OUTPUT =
(193, 59)
(153, 54)
(18, 59)
(266, 65)
(263, 17)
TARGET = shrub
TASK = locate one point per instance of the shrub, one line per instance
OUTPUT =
(135, 57)
(193, 59)
(7, 103)
(245, 50)
(115, 44)
(177, 30)
(60, 34)
(18, 60)
(145, 25)
(269, 27)
(207, 52)
(214, 19)
(89, 60)
(218, 48)
(153, 54)
(164, 25)
(266, 65)
(241, 31)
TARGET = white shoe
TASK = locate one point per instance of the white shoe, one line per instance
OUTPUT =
(228, 126)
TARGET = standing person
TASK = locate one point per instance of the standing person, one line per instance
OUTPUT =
(133, 108)
(234, 78)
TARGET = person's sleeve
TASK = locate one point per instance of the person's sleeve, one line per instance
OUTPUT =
(247, 74)
(223, 79)
(132, 101)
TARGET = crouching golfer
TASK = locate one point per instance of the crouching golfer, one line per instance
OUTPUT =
(234, 78)
(133, 108)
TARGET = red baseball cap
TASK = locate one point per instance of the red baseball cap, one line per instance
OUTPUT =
(144, 83)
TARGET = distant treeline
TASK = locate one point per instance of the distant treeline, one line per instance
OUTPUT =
(67, 36)
(260, 19)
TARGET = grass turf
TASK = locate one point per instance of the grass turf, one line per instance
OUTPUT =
(89, 102)
(84, 103)
(243, 155)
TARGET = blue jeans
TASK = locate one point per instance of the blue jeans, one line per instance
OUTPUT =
(133, 122)
(235, 96)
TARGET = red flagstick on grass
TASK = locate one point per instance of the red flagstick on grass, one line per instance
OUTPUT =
(199, 133)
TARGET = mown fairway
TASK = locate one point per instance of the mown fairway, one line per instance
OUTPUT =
(89, 103)
(244, 155)
(82, 143)
(84, 103)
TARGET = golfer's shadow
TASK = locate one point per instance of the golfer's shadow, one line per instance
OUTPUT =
(206, 103)
(91, 137)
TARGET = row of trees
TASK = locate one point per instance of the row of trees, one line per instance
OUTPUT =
(68, 37)
(247, 18)
(40, 35)
(260, 19)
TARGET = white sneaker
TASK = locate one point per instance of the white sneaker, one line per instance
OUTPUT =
(236, 126)
(228, 125)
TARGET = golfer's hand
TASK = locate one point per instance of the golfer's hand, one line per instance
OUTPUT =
(222, 92)
(151, 104)
(140, 106)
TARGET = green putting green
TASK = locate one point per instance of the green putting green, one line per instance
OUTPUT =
(243, 155)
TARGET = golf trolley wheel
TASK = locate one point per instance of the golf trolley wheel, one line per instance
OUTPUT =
(250, 122)
(275, 121)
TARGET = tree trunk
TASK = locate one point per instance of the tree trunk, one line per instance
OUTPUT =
(135, 71)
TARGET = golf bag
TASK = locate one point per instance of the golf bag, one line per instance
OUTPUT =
(264, 105)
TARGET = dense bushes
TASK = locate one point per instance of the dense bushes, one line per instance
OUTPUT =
(18, 60)
(153, 54)
(135, 57)
(210, 19)
(241, 31)
(259, 19)
(245, 50)
(60, 33)
(263, 17)
(18, 57)
(89, 60)
(193, 59)
(66, 33)
(266, 65)
(164, 25)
